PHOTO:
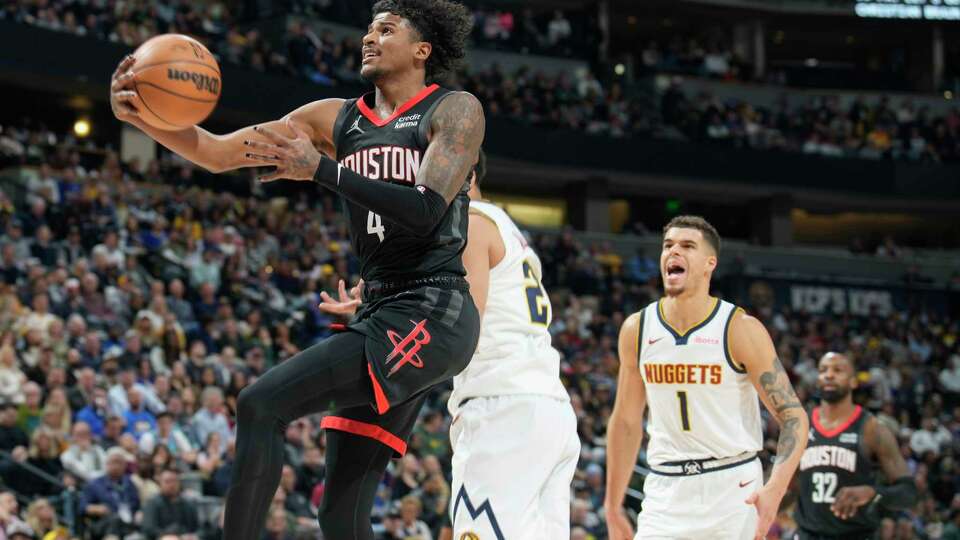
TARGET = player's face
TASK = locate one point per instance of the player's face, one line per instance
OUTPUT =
(836, 378)
(686, 260)
(390, 45)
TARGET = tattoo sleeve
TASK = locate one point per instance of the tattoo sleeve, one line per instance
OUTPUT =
(786, 407)
(457, 130)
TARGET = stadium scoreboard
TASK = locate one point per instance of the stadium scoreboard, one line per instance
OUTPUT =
(931, 10)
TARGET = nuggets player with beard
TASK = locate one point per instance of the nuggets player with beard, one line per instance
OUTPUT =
(400, 157)
(699, 364)
(839, 496)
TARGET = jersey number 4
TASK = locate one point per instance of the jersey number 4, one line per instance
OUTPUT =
(537, 299)
(375, 225)
(824, 486)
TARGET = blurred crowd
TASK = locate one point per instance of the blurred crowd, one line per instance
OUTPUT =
(823, 126)
(134, 306)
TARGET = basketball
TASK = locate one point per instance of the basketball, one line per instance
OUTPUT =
(178, 81)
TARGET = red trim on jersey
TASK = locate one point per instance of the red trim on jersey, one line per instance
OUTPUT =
(364, 429)
(372, 116)
(839, 429)
(383, 404)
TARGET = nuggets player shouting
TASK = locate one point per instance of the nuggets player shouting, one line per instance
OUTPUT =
(699, 364)
(400, 157)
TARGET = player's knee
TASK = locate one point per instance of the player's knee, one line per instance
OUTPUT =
(253, 402)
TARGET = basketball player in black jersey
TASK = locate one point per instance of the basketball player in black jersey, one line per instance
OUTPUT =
(400, 157)
(838, 495)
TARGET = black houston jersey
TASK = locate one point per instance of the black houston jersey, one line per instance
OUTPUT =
(835, 459)
(391, 150)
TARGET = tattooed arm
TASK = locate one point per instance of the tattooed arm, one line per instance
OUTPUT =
(750, 345)
(456, 132)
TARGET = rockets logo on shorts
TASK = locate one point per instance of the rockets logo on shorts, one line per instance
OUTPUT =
(408, 347)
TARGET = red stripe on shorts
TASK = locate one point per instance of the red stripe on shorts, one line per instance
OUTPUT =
(364, 429)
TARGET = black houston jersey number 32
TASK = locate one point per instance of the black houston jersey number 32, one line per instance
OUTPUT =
(391, 150)
(834, 459)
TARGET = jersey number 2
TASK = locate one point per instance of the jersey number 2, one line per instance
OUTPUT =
(824, 486)
(536, 297)
(375, 225)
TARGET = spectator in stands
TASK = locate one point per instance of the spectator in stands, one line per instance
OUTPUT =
(211, 417)
(138, 419)
(950, 381)
(11, 378)
(44, 456)
(119, 395)
(931, 437)
(558, 31)
(431, 437)
(169, 513)
(82, 458)
(30, 411)
(11, 435)
(277, 525)
(409, 525)
(168, 434)
(110, 502)
(42, 519)
(296, 503)
(96, 412)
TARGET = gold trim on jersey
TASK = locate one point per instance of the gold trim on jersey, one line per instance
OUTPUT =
(681, 337)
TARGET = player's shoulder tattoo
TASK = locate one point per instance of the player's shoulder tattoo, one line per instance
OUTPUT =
(457, 128)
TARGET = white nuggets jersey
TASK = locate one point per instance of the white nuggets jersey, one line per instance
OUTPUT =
(514, 355)
(702, 405)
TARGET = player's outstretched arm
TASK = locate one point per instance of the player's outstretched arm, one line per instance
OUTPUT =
(625, 430)
(750, 344)
(898, 493)
(219, 153)
(456, 132)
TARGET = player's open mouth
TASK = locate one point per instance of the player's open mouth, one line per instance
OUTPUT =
(675, 269)
(367, 55)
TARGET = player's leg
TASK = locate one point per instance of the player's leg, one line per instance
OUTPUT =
(504, 451)
(355, 465)
(725, 492)
(331, 374)
(360, 443)
(555, 496)
(670, 508)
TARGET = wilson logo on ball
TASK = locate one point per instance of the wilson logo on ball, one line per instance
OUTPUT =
(201, 81)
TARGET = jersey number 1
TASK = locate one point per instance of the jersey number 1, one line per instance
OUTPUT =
(375, 225)
(684, 414)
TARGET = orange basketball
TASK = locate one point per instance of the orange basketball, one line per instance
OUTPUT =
(178, 81)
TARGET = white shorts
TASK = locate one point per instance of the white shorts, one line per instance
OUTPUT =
(703, 506)
(513, 461)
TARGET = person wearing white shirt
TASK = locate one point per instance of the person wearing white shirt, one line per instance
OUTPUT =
(119, 403)
(83, 458)
(950, 377)
(169, 435)
(211, 418)
(928, 438)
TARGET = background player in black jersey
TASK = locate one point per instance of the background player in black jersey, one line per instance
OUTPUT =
(839, 497)
(406, 199)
